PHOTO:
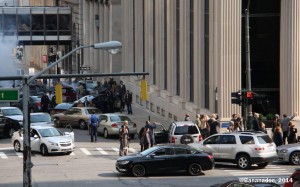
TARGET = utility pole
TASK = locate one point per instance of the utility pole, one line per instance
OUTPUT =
(248, 69)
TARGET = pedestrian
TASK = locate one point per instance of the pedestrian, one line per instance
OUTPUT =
(277, 137)
(237, 124)
(146, 139)
(86, 102)
(128, 101)
(124, 139)
(94, 122)
(255, 122)
(141, 138)
(53, 101)
(285, 125)
(292, 134)
(204, 127)
(263, 127)
(187, 117)
(214, 125)
(197, 121)
(276, 122)
(45, 102)
(151, 127)
(122, 92)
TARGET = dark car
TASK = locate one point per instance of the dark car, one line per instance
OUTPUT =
(106, 103)
(245, 184)
(160, 134)
(8, 126)
(166, 159)
(294, 179)
(34, 104)
(60, 108)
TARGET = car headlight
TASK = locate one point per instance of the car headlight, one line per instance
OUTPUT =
(283, 151)
(124, 162)
(53, 143)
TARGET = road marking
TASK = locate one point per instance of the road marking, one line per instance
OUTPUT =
(3, 155)
(73, 154)
(85, 151)
(115, 149)
(102, 151)
(6, 148)
(20, 155)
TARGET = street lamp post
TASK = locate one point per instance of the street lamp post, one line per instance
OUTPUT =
(111, 46)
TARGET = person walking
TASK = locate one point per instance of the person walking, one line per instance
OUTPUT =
(122, 92)
(94, 122)
(45, 102)
(86, 102)
(128, 101)
(277, 137)
(255, 122)
(292, 134)
(276, 122)
(285, 125)
(214, 125)
(124, 139)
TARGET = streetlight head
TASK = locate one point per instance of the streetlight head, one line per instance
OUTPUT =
(113, 51)
(108, 45)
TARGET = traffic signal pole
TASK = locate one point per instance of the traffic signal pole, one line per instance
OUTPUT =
(248, 69)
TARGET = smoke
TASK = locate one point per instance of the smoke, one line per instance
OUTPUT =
(7, 61)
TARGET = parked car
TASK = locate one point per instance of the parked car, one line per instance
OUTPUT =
(45, 139)
(8, 126)
(104, 103)
(60, 108)
(12, 113)
(41, 119)
(75, 116)
(236, 183)
(243, 148)
(294, 178)
(166, 159)
(184, 132)
(289, 153)
(110, 124)
(68, 94)
(34, 104)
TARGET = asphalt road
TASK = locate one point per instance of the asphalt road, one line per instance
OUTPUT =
(92, 164)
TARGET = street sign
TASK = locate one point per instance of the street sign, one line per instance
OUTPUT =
(9, 95)
(85, 68)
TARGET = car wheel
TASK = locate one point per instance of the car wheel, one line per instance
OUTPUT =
(295, 158)
(263, 165)
(57, 122)
(194, 169)
(105, 133)
(17, 146)
(243, 162)
(186, 139)
(138, 170)
(82, 124)
(44, 150)
(10, 132)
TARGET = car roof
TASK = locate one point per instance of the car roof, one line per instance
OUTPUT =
(184, 123)
(6, 107)
(38, 113)
(174, 145)
(246, 132)
(41, 127)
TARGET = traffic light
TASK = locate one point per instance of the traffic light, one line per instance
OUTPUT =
(236, 98)
(249, 97)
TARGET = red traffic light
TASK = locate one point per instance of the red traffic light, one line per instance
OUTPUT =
(249, 95)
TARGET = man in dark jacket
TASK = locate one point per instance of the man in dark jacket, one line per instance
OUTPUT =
(128, 101)
(45, 102)
(255, 123)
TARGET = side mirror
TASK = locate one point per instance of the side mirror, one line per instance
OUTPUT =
(35, 136)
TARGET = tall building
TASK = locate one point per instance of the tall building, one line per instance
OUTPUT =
(194, 51)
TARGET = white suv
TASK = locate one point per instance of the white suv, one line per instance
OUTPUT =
(184, 132)
(243, 148)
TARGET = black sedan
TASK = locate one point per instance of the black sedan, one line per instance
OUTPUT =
(8, 126)
(164, 159)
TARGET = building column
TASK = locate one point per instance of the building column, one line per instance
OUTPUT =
(289, 57)
(224, 54)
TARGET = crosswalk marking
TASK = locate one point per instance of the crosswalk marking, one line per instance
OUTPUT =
(72, 154)
(268, 171)
(115, 149)
(20, 155)
(3, 155)
(102, 151)
(132, 150)
(85, 151)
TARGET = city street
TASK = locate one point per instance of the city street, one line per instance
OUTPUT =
(92, 164)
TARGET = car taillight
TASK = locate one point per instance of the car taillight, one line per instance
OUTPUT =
(38, 104)
(172, 139)
(114, 125)
(259, 148)
(210, 157)
(200, 137)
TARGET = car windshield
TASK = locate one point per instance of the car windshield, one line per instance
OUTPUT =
(12, 112)
(50, 132)
(181, 130)
(264, 139)
(40, 118)
(63, 106)
(148, 151)
(119, 118)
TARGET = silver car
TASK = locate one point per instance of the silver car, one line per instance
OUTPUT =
(289, 153)
(110, 124)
